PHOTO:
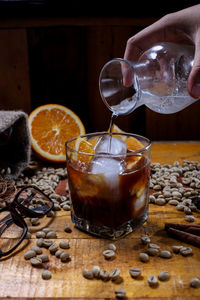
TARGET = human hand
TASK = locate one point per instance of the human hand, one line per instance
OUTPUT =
(179, 27)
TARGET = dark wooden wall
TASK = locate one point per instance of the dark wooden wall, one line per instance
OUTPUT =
(58, 60)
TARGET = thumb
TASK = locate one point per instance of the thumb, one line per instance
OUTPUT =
(193, 83)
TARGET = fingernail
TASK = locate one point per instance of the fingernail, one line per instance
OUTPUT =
(196, 90)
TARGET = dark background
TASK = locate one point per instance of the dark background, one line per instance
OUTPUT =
(53, 51)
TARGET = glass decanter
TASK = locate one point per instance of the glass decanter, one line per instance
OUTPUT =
(158, 80)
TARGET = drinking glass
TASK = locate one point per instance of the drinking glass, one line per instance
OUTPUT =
(108, 182)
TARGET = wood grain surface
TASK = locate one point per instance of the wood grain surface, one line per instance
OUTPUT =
(18, 279)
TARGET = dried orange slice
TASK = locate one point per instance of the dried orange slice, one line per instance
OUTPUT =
(84, 146)
(133, 144)
(50, 127)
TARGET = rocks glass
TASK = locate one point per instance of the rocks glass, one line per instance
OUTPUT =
(108, 182)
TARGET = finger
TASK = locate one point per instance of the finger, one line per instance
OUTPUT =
(193, 83)
(143, 40)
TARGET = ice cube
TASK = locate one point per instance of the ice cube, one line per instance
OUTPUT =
(110, 168)
(106, 165)
(111, 145)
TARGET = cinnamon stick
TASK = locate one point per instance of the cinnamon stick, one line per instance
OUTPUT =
(193, 230)
(180, 226)
(185, 236)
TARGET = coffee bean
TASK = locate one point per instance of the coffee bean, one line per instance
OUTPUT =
(112, 247)
(163, 276)
(29, 254)
(165, 254)
(51, 235)
(64, 245)
(186, 251)
(109, 254)
(144, 257)
(176, 249)
(135, 272)
(104, 275)
(152, 281)
(195, 282)
(58, 253)
(120, 293)
(44, 257)
(64, 257)
(96, 271)
(145, 240)
(46, 275)
(114, 274)
(87, 274)
(37, 249)
(153, 251)
(53, 248)
(36, 262)
(40, 234)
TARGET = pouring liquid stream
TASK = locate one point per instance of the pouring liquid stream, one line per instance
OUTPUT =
(113, 117)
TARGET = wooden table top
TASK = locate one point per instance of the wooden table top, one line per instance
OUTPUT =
(18, 279)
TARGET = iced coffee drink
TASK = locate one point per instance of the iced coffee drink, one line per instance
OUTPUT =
(108, 182)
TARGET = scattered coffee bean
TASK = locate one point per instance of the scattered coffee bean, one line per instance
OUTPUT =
(44, 257)
(173, 202)
(186, 251)
(46, 229)
(109, 254)
(195, 282)
(50, 214)
(53, 248)
(160, 201)
(155, 246)
(64, 257)
(35, 221)
(153, 251)
(51, 235)
(58, 253)
(144, 257)
(66, 207)
(36, 262)
(180, 207)
(112, 247)
(176, 249)
(40, 234)
(67, 228)
(189, 218)
(187, 210)
(165, 254)
(46, 243)
(152, 281)
(87, 274)
(64, 245)
(46, 275)
(114, 274)
(120, 293)
(28, 235)
(37, 249)
(135, 272)
(29, 254)
(40, 242)
(145, 240)
(104, 275)
(163, 276)
(96, 271)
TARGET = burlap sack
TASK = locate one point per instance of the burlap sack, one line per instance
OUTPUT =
(15, 149)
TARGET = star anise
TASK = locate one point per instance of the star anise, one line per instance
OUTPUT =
(7, 188)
